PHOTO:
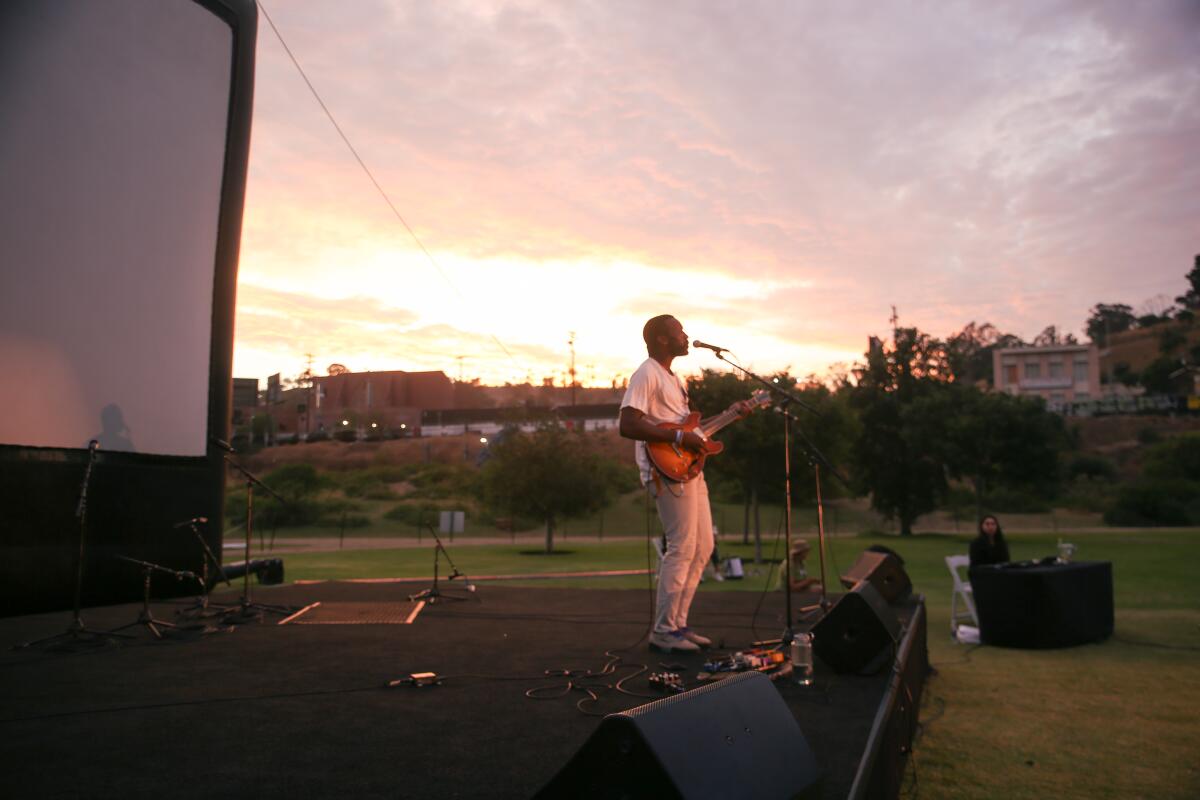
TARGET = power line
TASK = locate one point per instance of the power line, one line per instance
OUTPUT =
(371, 176)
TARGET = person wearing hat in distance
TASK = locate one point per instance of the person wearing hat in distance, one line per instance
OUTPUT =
(656, 395)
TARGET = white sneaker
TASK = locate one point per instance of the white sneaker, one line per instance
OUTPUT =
(695, 638)
(673, 641)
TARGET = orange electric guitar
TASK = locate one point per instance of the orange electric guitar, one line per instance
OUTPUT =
(677, 463)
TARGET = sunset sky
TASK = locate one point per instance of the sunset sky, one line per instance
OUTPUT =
(775, 174)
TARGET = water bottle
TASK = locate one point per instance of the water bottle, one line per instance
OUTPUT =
(802, 659)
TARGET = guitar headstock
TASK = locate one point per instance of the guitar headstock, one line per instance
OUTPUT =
(757, 400)
(760, 398)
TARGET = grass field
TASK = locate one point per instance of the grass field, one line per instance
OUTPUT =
(1112, 720)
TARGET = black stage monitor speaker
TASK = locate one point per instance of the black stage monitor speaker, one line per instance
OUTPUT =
(883, 571)
(857, 631)
(730, 739)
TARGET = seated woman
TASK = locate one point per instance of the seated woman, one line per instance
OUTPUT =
(989, 547)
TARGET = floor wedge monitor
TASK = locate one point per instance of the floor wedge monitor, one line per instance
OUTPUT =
(857, 632)
(732, 738)
(883, 571)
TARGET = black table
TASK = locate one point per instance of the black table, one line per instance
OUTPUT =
(1041, 604)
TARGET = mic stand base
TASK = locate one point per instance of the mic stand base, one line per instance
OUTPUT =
(436, 595)
(433, 594)
(155, 626)
(77, 636)
(246, 612)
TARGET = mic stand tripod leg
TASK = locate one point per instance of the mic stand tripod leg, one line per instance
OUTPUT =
(247, 610)
(823, 604)
(77, 634)
(433, 594)
(145, 617)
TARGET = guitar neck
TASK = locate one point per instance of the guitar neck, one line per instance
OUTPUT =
(719, 421)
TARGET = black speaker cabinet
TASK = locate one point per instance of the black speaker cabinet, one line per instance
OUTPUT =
(857, 631)
(730, 739)
(884, 572)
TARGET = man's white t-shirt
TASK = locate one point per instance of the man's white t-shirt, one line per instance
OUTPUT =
(661, 396)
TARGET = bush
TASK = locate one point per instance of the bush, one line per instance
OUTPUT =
(439, 481)
(1178, 457)
(1163, 502)
(366, 484)
(1091, 466)
(414, 514)
(1148, 435)
(1087, 494)
(318, 436)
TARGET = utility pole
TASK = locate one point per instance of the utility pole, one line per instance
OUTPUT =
(308, 377)
(460, 368)
(895, 320)
(571, 342)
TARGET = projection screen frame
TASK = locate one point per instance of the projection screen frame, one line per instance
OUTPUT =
(134, 497)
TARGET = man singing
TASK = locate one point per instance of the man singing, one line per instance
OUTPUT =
(657, 395)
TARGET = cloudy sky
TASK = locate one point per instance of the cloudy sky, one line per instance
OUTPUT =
(775, 174)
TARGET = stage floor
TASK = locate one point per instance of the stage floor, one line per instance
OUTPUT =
(302, 710)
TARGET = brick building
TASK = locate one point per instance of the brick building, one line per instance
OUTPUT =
(365, 402)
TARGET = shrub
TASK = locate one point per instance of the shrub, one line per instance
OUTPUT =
(414, 513)
(1148, 435)
(1178, 457)
(1087, 494)
(1162, 502)
(1091, 466)
(296, 480)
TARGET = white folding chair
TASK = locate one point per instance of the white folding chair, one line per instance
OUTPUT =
(958, 566)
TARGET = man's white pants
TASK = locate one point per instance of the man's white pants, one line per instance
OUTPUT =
(687, 523)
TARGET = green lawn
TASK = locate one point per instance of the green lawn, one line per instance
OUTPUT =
(1113, 720)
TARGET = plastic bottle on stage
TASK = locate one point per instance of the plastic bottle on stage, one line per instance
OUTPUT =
(802, 659)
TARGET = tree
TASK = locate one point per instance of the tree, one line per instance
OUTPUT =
(989, 439)
(1156, 377)
(969, 352)
(1189, 301)
(750, 468)
(549, 474)
(1106, 319)
(902, 474)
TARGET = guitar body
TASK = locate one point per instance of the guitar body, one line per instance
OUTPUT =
(678, 463)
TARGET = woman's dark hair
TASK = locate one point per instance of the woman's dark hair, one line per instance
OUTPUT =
(986, 517)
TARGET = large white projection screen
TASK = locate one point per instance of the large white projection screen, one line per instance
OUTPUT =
(112, 146)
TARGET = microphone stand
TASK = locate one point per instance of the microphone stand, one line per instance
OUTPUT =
(815, 458)
(433, 594)
(249, 611)
(200, 607)
(144, 616)
(77, 633)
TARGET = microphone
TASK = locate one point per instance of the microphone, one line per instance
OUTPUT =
(192, 521)
(93, 445)
(221, 443)
(706, 346)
